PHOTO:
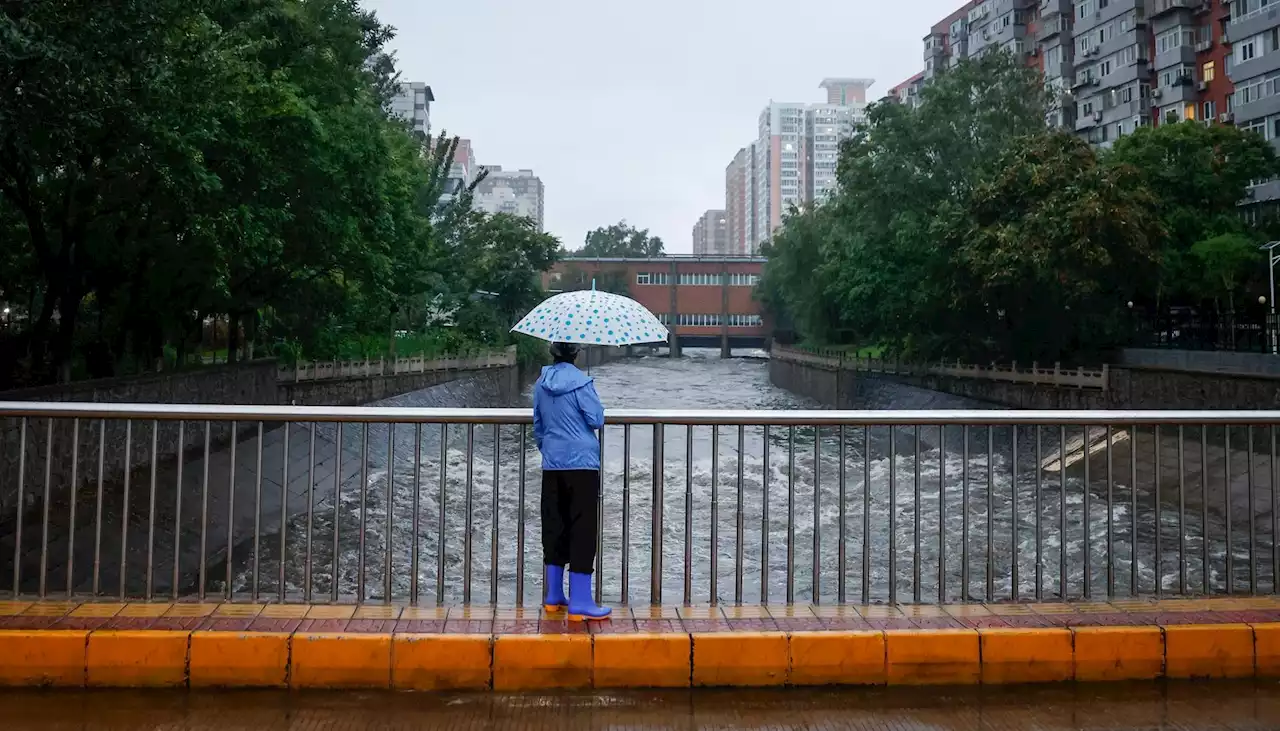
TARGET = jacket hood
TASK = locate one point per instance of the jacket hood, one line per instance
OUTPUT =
(562, 378)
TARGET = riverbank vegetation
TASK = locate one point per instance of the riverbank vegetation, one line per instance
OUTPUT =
(172, 170)
(966, 228)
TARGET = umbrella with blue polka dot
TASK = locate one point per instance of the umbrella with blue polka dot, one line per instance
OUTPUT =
(589, 317)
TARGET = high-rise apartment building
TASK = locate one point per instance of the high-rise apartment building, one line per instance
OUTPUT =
(515, 192)
(796, 153)
(737, 197)
(412, 103)
(711, 235)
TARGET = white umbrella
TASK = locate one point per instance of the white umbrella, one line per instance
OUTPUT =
(588, 317)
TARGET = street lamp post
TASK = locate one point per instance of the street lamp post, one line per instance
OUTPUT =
(1272, 259)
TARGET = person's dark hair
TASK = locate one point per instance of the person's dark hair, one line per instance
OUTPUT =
(564, 352)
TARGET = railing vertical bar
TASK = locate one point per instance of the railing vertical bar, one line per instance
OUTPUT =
(257, 526)
(715, 515)
(284, 513)
(840, 533)
(1133, 510)
(1087, 544)
(466, 512)
(1155, 485)
(75, 489)
(97, 522)
(440, 523)
(791, 514)
(521, 483)
(493, 547)
(626, 515)
(124, 510)
(1039, 515)
(916, 537)
(1253, 537)
(866, 513)
(415, 548)
(599, 583)
(991, 491)
(22, 479)
(1226, 498)
(816, 580)
(48, 498)
(1013, 511)
(738, 557)
(364, 513)
(1062, 513)
(337, 502)
(229, 590)
(688, 516)
(655, 533)
(177, 510)
(309, 559)
(390, 498)
(1182, 511)
(893, 516)
(1275, 515)
(203, 573)
(764, 520)
(1111, 537)
(942, 514)
(964, 516)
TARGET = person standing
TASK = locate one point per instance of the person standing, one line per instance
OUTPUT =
(566, 414)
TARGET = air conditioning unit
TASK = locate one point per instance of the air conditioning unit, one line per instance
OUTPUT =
(1157, 93)
(1226, 117)
(1095, 81)
(1097, 116)
(1203, 86)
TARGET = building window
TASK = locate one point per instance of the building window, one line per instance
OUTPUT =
(1208, 72)
(1209, 111)
(651, 278)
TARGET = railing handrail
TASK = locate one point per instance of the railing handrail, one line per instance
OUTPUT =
(694, 417)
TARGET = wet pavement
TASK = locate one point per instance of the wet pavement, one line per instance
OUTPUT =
(1182, 706)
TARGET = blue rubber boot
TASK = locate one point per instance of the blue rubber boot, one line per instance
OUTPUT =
(553, 589)
(582, 607)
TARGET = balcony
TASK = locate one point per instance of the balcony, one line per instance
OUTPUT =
(1253, 23)
(1162, 7)
(1049, 28)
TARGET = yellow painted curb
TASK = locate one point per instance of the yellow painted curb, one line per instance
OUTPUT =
(740, 659)
(239, 660)
(441, 662)
(534, 662)
(339, 660)
(838, 658)
(1026, 655)
(642, 661)
(137, 659)
(1209, 651)
(1118, 653)
(932, 657)
(1266, 650)
(42, 658)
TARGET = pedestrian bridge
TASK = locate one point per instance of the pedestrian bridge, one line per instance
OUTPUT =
(739, 548)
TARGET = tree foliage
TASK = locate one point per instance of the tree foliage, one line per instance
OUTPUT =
(964, 228)
(168, 162)
(621, 240)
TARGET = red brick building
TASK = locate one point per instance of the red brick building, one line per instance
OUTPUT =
(706, 301)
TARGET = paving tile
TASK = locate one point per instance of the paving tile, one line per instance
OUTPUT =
(707, 625)
(890, 623)
(1034, 620)
(274, 624)
(468, 626)
(371, 625)
(791, 611)
(473, 612)
(937, 623)
(518, 626)
(652, 612)
(565, 627)
(325, 625)
(226, 624)
(121, 622)
(143, 609)
(80, 623)
(175, 623)
(420, 626)
(191, 610)
(620, 624)
(424, 613)
(748, 611)
(799, 624)
(50, 609)
(758, 625)
(12, 608)
(331, 612)
(284, 611)
(845, 624)
(701, 613)
(27, 622)
(658, 625)
(239, 611)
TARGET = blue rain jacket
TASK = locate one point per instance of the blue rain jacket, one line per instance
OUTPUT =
(566, 413)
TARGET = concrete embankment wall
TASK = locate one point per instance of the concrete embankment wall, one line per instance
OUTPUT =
(1128, 387)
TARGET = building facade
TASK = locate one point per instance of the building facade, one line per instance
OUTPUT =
(412, 103)
(711, 234)
(514, 192)
(796, 154)
(737, 201)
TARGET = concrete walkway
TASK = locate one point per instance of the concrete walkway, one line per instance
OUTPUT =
(1186, 707)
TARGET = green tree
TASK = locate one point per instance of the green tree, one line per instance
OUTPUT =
(621, 240)
(1227, 263)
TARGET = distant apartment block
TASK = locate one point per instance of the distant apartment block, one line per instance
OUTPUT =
(738, 200)
(711, 235)
(515, 192)
(412, 103)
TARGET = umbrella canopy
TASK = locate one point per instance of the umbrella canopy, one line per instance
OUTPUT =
(588, 317)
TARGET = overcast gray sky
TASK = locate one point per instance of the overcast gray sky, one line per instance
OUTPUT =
(633, 108)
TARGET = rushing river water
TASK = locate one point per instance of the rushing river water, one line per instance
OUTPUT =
(890, 494)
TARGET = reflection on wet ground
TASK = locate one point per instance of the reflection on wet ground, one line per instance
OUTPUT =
(1185, 707)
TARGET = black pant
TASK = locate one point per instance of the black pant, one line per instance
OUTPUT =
(570, 523)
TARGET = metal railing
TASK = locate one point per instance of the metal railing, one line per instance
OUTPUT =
(440, 505)
(331, 369)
